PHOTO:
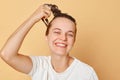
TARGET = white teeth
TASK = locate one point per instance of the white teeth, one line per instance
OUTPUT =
(60, 44)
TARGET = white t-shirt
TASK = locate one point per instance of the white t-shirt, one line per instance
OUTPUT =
(43, 70)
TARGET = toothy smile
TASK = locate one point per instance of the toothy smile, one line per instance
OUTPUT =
(60, 44)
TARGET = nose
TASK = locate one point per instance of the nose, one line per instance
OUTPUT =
(63, 37)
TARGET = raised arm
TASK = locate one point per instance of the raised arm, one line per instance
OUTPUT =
(9, 53)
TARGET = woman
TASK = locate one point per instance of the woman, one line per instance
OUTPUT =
(60, 35)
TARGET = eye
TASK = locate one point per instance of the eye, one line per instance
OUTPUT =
(70, 34)
(56, 32)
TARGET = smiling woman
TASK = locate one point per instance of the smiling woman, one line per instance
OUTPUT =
(60, 35)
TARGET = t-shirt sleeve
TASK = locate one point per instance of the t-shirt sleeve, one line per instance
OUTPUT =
(35, 63)
(40, 63)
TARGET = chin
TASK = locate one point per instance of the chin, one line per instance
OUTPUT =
(60, 53)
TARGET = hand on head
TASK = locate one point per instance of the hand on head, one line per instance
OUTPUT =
(43, 12)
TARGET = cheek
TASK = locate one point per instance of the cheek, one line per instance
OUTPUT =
(50, 38)
(71, 41)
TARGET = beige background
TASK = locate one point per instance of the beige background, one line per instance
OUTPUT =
(98, 39)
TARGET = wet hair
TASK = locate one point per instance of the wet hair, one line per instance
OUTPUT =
(57, 13)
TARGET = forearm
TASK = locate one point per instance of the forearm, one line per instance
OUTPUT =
(14, 42)
(9, 52)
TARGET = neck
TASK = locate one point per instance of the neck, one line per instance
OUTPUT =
(61, 63)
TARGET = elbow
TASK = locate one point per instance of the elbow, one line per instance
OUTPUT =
(1, 54)
(4, 56)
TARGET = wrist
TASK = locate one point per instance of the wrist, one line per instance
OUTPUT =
(34, 19)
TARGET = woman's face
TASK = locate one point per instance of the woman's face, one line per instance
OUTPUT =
(61, 36)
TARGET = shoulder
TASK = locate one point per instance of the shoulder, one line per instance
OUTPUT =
(39, 63)
(84, 70)
(83, 66)
(39, 59)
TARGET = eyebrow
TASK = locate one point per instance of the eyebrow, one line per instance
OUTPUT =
(56, 29)
(71, 32)
(60, 30)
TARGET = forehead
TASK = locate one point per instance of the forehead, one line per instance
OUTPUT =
(63, 24)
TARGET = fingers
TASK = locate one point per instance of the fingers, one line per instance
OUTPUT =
(47, 11)
(47, 6)
(43, 12)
